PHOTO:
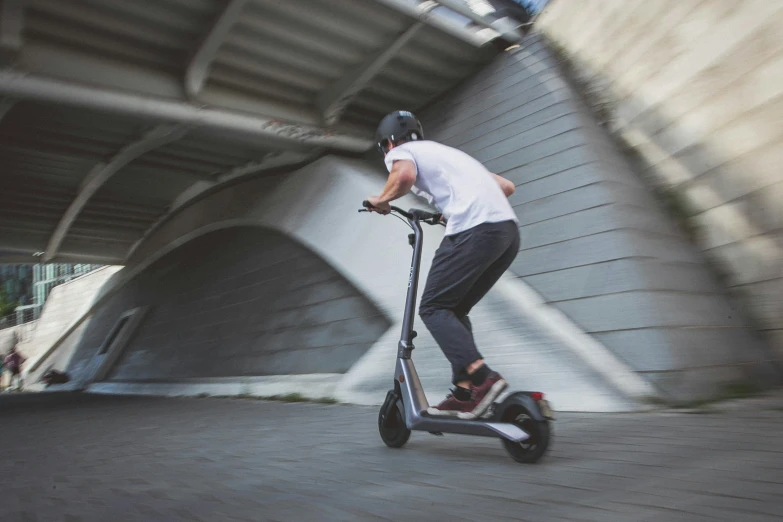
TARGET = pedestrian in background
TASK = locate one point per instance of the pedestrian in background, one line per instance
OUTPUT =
(13, 363)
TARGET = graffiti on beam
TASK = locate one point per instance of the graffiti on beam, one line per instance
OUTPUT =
(297, 132)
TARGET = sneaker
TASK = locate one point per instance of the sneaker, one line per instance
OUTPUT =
(451, 407)
(484, 395)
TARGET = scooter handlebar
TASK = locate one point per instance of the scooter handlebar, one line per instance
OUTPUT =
(415, 214)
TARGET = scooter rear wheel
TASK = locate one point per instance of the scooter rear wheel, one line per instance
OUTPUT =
(530, 450)
(393, 430)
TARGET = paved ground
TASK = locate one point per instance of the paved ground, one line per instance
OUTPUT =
(112, 459)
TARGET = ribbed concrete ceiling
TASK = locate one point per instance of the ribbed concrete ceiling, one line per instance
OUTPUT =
(111, 110)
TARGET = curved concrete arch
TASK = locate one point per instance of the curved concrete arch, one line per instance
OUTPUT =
(235, 301)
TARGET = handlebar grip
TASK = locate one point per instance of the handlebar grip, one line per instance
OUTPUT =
(366, 204)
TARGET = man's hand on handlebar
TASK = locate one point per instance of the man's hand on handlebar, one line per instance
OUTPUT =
(377, 206)
(437, 220)
(414, 214)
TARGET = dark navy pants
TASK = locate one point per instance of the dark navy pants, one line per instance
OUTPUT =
(465, 267)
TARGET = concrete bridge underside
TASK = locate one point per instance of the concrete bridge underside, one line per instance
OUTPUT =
(221, 157)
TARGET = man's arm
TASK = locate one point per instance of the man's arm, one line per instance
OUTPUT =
(506, 185)
(401, 179)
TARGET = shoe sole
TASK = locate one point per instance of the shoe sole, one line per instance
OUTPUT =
(441, 413)
(485, 403)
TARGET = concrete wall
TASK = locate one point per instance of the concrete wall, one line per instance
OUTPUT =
(66, 303)
(47, 342)
(595, 243)
(243, 301)
(43, 342)
(8, 339)
(695, 88)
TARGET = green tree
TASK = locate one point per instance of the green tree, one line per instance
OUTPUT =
(6, 307)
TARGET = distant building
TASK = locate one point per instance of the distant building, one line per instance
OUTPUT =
(17, 282)
(46, 277)
(516, 9)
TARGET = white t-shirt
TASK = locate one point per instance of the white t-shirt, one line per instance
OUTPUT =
(461, 188)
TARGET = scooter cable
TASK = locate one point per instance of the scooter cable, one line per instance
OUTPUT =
(403, 220)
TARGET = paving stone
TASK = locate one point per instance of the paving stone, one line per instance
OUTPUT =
(77, 457)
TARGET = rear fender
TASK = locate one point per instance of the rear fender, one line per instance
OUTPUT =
(522, 399)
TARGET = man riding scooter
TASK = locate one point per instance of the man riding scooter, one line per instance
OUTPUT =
(481, 240)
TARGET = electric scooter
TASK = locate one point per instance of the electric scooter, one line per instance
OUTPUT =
(522, 420)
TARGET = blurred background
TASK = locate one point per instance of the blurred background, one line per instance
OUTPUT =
(179, 182)
(196, 164)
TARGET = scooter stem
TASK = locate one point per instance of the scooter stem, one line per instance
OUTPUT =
(407, 335)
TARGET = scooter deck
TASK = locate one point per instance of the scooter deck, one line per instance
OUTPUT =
(478, 427)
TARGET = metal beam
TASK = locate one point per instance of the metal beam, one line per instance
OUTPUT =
(30, 87)
(198, 68)
(333, 101)
(101, 173)
(421, 12)
(11, 25)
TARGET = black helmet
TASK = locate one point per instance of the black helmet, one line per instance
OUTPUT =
(397, 126)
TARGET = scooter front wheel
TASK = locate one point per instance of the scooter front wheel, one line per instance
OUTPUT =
(391, 426)
(532, 449)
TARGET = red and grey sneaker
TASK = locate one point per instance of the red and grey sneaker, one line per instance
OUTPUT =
(484, 395)
(451, 407)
